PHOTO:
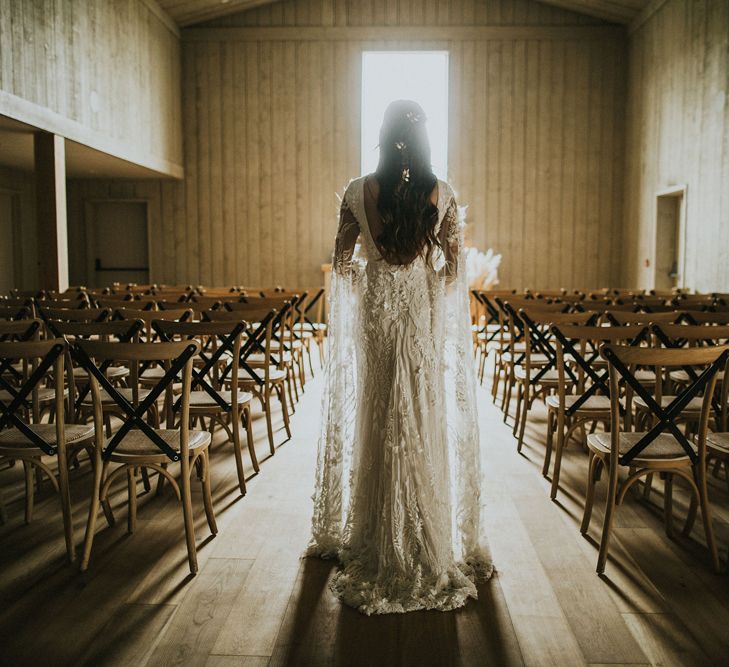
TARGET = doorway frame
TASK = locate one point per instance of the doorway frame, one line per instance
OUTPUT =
(91, 238)
(680, 190)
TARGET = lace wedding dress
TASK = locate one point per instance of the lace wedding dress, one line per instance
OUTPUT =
(397, 496)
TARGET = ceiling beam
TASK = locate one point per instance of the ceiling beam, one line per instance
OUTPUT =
(615, 11)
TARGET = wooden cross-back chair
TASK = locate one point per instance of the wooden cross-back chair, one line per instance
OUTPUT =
(537, 374)
(308, 319)
(683, 336)
(286, 349)
(24, 438)
(74, 304)
(259, 371)
(124, 378)
(487, 332)
(579, 370)
(313, 320)
(664, 448)
(137, 445)
(512, 340)
(219, 354)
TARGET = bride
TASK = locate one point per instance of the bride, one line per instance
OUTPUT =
(398, 471)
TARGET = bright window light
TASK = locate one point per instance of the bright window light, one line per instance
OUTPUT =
(421, 76)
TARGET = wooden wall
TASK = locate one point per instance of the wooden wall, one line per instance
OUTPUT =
(105, 74)
(271, 123)
(678, 133)
(21, 188)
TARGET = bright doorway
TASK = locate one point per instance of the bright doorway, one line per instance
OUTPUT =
(421, 76)
(668, 264)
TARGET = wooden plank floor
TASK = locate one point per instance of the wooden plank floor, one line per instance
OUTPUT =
(255, 602)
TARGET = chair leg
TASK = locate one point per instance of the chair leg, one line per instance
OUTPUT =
(246, 414)
(204, 461)
(29, 490)
(523, 419)
(706, 518)
(557, 455)
(160, 482)
(93, 514)
(187, 514)
(285, 409)
(592, 477)
(132, 493)
(64, 491)
(519, 400)
(269, 425)
(668, 504)
(145, 480)
(647, 486)
(550, 439)
(235, 423)
(608, 520)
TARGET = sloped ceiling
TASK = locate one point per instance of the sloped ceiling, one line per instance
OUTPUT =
(616, 11)
(189, 12)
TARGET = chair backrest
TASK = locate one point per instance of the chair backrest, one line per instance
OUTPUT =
(258, 334)
(707, 317)
(149, 316)
(579, 347)
(62, 303)
(539, 338)
(16, 312)
(175, 357)
(76, 314)
(219, 355)
(16, 410)
(622, 362)
(123, 331)
(621, 318)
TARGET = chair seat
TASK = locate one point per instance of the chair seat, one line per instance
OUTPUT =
(107, 400)
(203, 400)
(718, 443)
(76, 435)
(112, 373)
(693, 406)
(45, 395)
(592, 404)
(645, 376)
(549, 376)
(682, 377)
(314, 326)
(274, 374)
(136, 443)
(293, 344)
(258, 358)
(664, 447)
(536, 359)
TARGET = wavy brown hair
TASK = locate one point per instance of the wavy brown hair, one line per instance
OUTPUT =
(406, 181)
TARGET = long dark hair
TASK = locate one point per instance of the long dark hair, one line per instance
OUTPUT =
(406, 181)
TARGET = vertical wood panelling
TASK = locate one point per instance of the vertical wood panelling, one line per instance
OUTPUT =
(272, 134)
(102, 73)
(678, 133)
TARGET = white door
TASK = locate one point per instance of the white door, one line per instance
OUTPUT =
(7, 244)
(668, 241)
(119, 243)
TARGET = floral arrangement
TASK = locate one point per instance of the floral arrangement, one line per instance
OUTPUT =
(482, 267)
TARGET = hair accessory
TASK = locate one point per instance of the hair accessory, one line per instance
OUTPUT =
(415, 117)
